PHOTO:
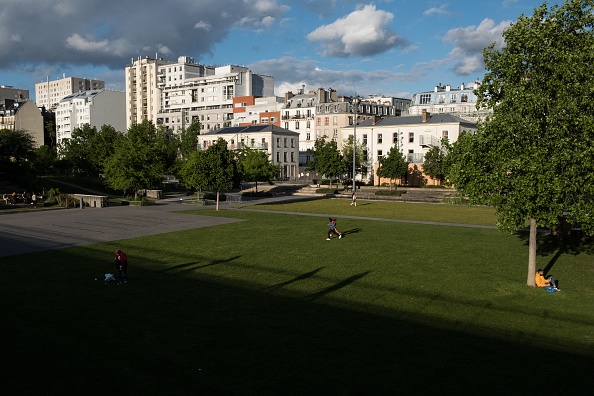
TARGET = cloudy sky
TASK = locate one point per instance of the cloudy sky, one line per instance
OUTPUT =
(385, 47)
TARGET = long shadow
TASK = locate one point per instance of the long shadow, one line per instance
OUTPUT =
(214, 262)
(336, 287)
(180, 266)
(352, 231)
(296, 279)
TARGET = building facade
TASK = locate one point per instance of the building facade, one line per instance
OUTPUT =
(94, 108)
(460, 102)
(24, 115)
(252, 110)
(412, 135)
(191, 92)
(8, 92)
(281, 145)
(49, 94)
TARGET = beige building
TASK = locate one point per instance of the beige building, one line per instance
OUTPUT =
(49, 94)
(143, 95)
(412, 135)
(22, 116)
(94, 108)
(281, 144)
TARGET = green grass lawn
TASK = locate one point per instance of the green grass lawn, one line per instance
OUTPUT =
(267, 306)
(443, 213)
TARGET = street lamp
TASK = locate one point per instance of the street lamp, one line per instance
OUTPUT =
(355, 104)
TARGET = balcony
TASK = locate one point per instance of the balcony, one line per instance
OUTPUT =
(428, 141)
(415, 158)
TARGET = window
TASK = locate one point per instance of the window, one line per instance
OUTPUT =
(285, 156)
(325, 133)
(365, 139)
(380, 154)
(292, 143)
(292, 156)
(335, 133)
(308, 136)
(286, 125)
(464, 98)
(335, 120)
(277, 157)
(318, 121)
(425, 99)
(285, 141)
(296, 124)
(453, 98)
(411, 137)
(444, 134)
(278, 142)
(326, 120)
(395, 137)
(379, 138)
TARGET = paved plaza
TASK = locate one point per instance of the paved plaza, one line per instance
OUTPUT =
(37, 231)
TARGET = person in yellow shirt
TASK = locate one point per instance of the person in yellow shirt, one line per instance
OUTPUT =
(542, 281)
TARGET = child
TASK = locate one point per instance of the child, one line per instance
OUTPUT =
(354, 199)
(121, 265)
(332, 229)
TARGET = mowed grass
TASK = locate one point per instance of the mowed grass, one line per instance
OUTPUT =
(267, 306)
(442, 213)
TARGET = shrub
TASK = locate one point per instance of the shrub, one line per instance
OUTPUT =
(327, 191)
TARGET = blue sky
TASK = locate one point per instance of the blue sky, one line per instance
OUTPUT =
(386, 47)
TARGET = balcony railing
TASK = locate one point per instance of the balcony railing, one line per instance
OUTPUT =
(428, 141)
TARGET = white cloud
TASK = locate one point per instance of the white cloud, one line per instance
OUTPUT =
(80, 44)
(203, 25)
(469, 43)
(437, 10)
(363, 32)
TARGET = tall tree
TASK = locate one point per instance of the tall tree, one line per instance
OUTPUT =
(433, 164)
(347, 154)
(392, 166)
(326, 159)
(214, 169)
(256, 166)
(78, 150)
(532, 158)
(140, 159)
(188, 139)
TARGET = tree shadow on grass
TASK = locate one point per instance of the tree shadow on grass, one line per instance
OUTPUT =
(296, 279)
(337, 286)
(193, 265)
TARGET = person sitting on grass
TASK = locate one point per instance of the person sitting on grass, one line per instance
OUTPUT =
(546, 282)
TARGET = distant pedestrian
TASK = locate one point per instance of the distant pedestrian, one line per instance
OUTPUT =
(5, 198)
(354, 199)
(34, 200)
(121, 261)
(332, 229)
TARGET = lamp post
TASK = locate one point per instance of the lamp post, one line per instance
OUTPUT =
(354, 140)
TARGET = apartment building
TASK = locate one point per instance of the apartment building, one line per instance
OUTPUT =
(143, 96)
(460, 102)
(22, 115)
(412, 135)
(94, 108)
(190, 91)
(281, 145)
(252, 110)
(16, 94)
(49, 94)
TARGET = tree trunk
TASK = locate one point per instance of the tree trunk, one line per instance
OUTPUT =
(217, 200)
(532, 254)
(256, 186)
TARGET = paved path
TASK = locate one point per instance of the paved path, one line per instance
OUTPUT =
(37, 231)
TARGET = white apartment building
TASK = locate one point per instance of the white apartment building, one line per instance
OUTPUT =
(412, 135)
(49, 94)
(460, 102)
(143, 96)
(281, 144)
(262, 111)
(95, 108)
(190, 91)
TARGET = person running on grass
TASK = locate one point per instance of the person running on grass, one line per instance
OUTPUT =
(332, 229)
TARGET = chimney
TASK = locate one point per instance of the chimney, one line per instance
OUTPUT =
(288, 95)
(375, 119)
(425, 116)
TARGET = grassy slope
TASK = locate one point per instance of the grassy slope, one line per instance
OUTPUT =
(267, 306)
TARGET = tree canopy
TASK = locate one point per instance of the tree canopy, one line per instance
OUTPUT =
(256, 166)
(532, 158)
(213, 169)
(393, 165)
(326, 159)
(347, 154)
(433, 164)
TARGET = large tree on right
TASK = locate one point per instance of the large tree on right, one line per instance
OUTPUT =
(533, 158)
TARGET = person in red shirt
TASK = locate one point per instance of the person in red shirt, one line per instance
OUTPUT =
(121, 264)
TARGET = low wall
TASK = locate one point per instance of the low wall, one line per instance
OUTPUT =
(92, 201)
